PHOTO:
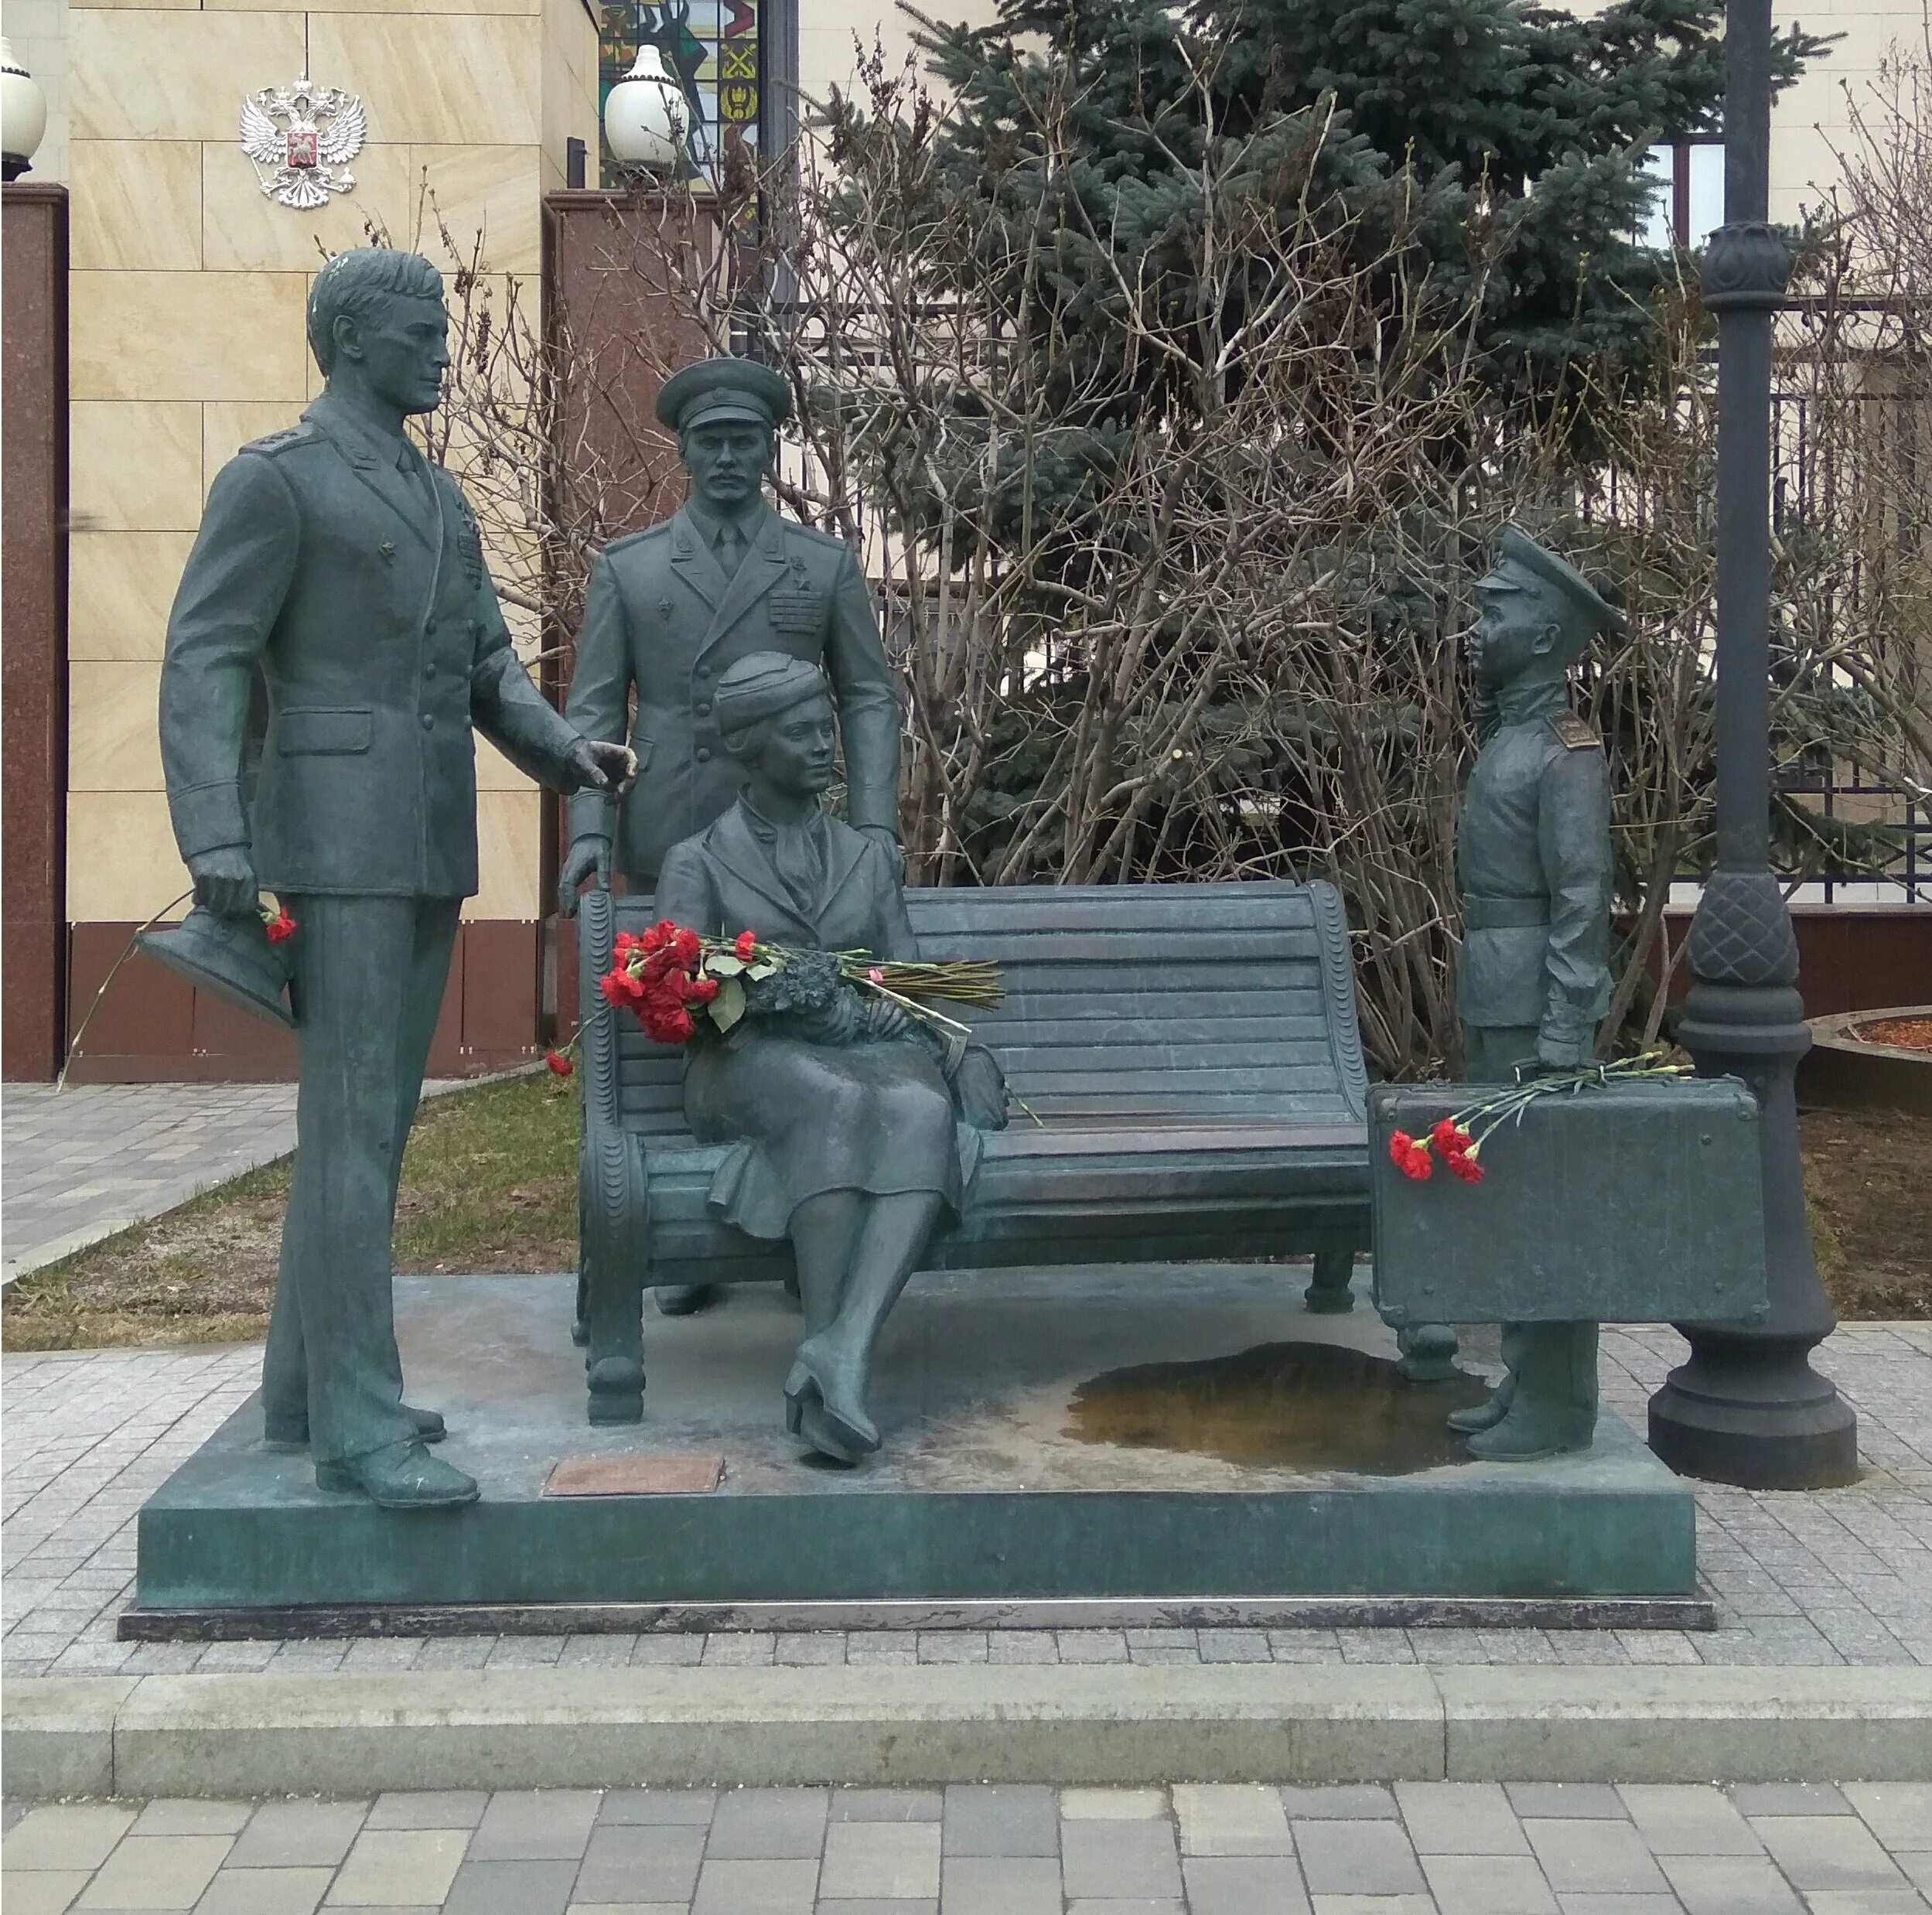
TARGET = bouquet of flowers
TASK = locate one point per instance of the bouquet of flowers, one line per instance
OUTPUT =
(677, 982)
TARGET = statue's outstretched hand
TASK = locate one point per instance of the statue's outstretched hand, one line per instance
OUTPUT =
(885, 1018)
(600, 765)
(1556, 1055)
(842, 1020)
(588, 857)
(225, 882)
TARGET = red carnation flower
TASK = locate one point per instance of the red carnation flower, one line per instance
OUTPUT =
(703, 990)
(746, 947)
(1400, 1144)
(558, 1063)
(688, 946)
(669, 1026)
(1466, 1167)
(280, 928)
(619, 988)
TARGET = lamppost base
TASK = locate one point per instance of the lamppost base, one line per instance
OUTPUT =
(1746, 1407)
(1760, 1417)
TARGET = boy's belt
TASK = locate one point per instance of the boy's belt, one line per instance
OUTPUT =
(1502, 914)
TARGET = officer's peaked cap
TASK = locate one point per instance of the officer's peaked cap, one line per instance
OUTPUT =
(724, 388)
(1585, 610)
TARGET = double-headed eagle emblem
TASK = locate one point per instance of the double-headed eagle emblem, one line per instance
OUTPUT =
(301, 138)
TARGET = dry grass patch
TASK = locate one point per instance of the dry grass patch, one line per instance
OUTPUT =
(488, 1183)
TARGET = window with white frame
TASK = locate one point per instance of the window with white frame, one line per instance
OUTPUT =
(1690, 198)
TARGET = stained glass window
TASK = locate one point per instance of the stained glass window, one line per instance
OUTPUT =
(711, 48)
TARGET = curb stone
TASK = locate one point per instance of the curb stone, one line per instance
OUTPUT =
(56, 1733)
(925, 1725)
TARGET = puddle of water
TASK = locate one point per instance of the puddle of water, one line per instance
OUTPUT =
(1313, 1406)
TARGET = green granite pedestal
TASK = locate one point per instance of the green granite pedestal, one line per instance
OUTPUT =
(1182, 1445)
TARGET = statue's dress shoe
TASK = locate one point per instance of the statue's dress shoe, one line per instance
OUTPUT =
(682, 1300)
(1487, 1414)
(399, 1476)
(822, 1406)
(1533, 1428)
(279, 1436)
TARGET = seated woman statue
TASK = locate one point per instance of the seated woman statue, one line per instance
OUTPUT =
(842, 1106)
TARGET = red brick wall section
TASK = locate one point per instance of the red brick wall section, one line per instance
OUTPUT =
(1850, 957)
(33, 628)
(153, 1027)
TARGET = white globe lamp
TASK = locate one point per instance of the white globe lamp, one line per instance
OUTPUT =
(23, 114)
(644, 116)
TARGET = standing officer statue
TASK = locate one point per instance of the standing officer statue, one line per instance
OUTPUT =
(669, 608)
(1534, 863)
(342, 571)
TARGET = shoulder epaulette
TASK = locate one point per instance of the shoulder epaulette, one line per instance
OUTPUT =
(658, 531)
(1576, 734)
(273, 442)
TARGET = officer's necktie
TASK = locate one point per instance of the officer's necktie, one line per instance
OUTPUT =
(730, 547)
(415, 470)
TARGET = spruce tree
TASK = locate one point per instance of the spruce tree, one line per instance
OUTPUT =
(1507, 139)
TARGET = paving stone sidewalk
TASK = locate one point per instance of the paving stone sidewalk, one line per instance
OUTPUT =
(82, 1163)
(1834, 1576)
(1431, 1848)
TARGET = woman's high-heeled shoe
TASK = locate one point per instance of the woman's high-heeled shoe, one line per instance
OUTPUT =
(827, 1416)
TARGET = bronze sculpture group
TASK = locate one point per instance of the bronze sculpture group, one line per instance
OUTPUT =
(335, 643)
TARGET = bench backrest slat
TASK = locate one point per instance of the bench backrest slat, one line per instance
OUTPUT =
(1124, 1002)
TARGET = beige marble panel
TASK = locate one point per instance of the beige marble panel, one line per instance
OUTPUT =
(566, 23)
(440, 7)
(243, 231)
(495, 192)
(187, 336)
(113, 732)
(570, 82)
(495, 772)
(176, 73)
(437, 79)
(120, 586)
(135, 465)
(1804, 167)
(121, 861)
(510, 851)
(137, 204)
(228, 425)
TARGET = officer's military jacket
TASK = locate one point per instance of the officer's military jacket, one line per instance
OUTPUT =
(1534, 863)
(662, 620)
(357, 590)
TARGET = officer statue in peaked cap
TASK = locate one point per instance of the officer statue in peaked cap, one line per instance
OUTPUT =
(1534, 866)
(340, 571)
(669, 609)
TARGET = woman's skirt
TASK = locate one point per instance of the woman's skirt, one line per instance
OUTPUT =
(808, 1118)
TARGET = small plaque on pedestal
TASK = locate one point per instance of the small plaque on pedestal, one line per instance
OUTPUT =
(635, 1476)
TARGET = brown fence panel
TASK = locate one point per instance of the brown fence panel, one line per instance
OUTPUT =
(33, 650)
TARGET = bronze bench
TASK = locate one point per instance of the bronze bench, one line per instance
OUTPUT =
(1191, 1050)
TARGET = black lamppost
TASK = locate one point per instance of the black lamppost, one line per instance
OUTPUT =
(1747, 1408)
